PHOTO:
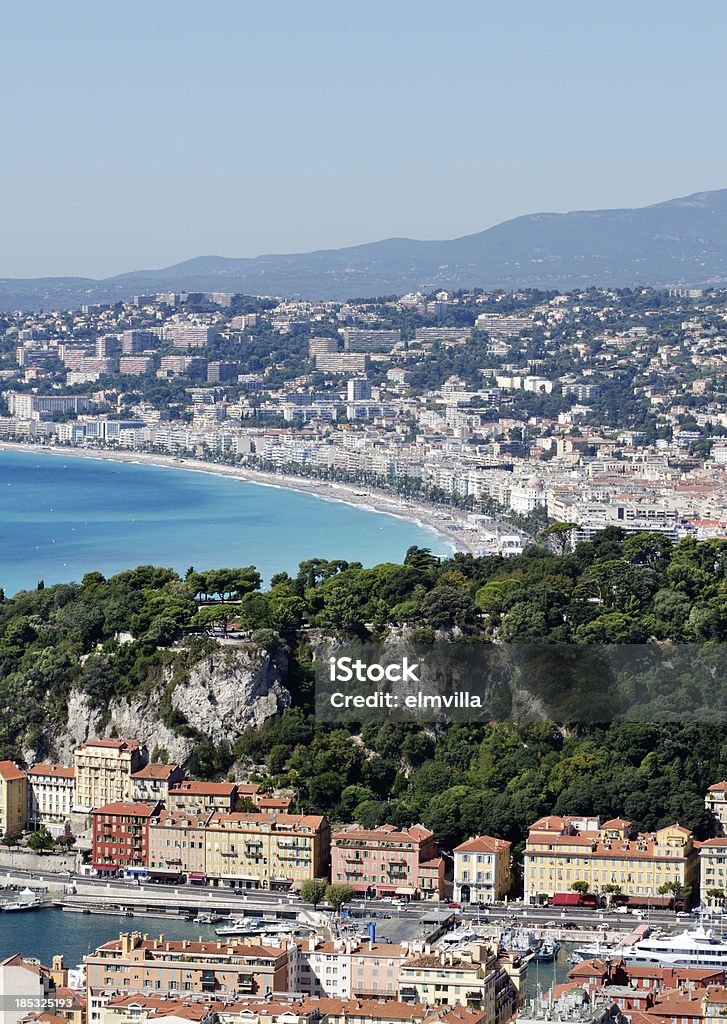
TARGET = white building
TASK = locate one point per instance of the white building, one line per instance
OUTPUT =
(715, 803)
(50, 797)
(23, 984)
(713, 872)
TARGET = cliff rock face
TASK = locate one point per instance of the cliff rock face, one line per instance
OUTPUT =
(219, 696)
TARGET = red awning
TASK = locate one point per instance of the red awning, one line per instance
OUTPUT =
(387, 888)
(566, 899)
(198, 876)
(359, 886)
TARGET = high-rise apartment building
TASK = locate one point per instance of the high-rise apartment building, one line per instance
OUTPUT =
(103, 770)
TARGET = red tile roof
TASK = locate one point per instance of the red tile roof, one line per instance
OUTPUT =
(155, 771)
(203, 788)
(483, 844)
(137, 810)
(60, 771)
(384, 833)
(10, 771)
(117, 744)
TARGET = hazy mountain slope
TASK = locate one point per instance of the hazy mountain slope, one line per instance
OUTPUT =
(682, 241)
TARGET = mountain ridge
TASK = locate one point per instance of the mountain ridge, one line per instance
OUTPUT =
(681, 241)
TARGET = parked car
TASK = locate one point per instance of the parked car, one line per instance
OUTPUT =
(454, 906)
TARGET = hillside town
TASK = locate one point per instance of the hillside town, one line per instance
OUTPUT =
(595, 408)
(127, 816)
(135, 822)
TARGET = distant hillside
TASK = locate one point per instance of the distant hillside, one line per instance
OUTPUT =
(682, 241)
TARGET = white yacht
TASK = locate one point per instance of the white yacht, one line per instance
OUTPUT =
(240, 926)
(695, 947)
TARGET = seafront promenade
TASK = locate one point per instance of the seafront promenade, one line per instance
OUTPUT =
(127, 900)
(450, 524)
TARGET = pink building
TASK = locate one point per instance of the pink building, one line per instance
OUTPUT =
(387, 861)
(176, 845)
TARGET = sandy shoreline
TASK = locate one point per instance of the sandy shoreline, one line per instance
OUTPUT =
(453, 529)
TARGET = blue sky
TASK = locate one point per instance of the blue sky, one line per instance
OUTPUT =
(142, 134)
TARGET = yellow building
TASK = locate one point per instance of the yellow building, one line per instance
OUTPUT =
(560, 851)
(713, 872)
(103, 770)
(482, 870)
(267, 851)
(13, 799)
(188, 797)
(470, 977)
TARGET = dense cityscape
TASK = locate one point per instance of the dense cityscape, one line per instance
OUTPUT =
(151, 824)
(594, 408)
(572, 448)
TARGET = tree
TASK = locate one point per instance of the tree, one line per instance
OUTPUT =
(211, 617)
(580, 886)
(447, 606)
(244, 804)
(41, 841)
(681, 893)
(313, 891)
(337, 895)
(717, 895)
(560, 534)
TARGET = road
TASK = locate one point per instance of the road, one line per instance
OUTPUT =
(253, 900)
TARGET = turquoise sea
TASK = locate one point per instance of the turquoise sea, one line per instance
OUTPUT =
(62, 516)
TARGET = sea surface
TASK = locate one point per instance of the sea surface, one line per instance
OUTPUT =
(62, 516)
(45, 933)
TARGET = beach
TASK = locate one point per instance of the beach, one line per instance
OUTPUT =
(452, 526)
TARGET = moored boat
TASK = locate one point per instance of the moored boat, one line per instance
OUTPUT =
(548, 950)
(695, 947)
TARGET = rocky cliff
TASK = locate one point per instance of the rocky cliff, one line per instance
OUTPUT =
(234, 687)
